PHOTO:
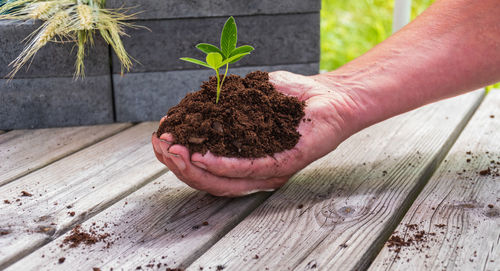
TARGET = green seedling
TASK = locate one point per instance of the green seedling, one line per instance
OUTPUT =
(227, 54)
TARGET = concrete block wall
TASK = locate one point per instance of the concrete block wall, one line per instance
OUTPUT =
(285, 35)
(46, 94)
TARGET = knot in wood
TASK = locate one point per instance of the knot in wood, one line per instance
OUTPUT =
(347, 211)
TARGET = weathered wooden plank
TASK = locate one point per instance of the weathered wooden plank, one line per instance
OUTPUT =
(162, 223)
(24, 151)
(85, 183)
(459, 209)
(335, 214)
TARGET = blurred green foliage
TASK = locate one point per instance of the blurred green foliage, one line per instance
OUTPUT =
(350, 28)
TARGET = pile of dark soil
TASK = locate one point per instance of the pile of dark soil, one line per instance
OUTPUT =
(251, 119)
(78, 236)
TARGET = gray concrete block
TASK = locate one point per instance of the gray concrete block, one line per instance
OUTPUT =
(55, 102)
(278, 39)
(167, 9)
(148, 96)
(53, 60)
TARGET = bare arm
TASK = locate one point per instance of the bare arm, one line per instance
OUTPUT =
(452, 48)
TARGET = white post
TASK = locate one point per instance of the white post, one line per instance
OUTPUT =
(402, 14)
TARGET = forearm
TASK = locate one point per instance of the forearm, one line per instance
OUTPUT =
(452, 48)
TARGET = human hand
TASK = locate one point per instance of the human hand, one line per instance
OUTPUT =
(329, 113)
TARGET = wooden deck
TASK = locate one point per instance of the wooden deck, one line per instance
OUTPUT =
(420, 191)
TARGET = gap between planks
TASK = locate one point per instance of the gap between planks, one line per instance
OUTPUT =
(336, 214)
(25, 151)
(459, 208)
(87, 182)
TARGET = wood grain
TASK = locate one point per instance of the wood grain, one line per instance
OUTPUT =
(85, 183)
(24, 151)
(459, 209)
(336, 213)
(165, 223)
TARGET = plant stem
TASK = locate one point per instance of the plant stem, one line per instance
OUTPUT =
(227, 67)
(218, 85)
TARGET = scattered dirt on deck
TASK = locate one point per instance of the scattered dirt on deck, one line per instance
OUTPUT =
(79, 236)
(26, 194)
(493, 167)
(413, 238)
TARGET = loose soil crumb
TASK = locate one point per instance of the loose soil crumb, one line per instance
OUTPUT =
(485, 172)
(26, 194)
(78, 237)
(251, 119)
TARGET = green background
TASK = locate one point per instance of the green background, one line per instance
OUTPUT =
(349, 28)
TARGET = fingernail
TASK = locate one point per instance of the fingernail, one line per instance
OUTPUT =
(173, 154)
(251, 192)
(179, 163)
(199, 164)
(165, 141)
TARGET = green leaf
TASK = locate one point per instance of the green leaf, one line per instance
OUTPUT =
(214, 60)
(229, 37)
(196, 61)
(233, 58)
(240, 50)
(208, 48)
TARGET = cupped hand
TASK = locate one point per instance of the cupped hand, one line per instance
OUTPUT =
(326, 124)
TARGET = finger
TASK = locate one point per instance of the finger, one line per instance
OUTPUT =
(237, 167)
(302, 87)
(172, 166)
(283, 81)
(217, 185)
(157, 147)
(167, 137)
(159, 142)
(280, 164)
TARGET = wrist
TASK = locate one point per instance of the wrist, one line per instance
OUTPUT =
(355, 101)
